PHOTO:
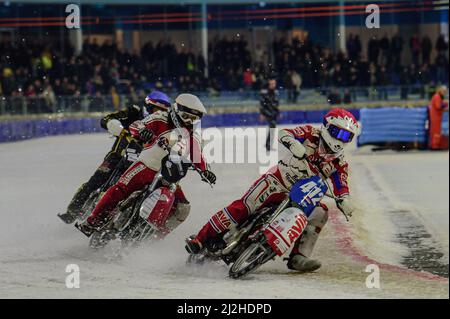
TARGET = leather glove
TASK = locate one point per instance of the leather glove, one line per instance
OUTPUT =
(209, 176)
(295, 147)
(163, 142)
(145, 134)
(346, 206)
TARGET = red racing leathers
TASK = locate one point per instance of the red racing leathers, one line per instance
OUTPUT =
(274, 186)
(148, 164)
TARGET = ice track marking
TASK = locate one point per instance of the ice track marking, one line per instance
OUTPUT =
(424, 253)
(157, 271)
(345, 244)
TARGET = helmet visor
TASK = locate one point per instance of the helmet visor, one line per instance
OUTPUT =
(340, 134)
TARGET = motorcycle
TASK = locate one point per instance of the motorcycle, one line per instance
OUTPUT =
(268, 233)
(145, 213)
(129, 156)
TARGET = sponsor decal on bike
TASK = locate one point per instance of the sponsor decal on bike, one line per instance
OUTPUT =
(149, 204)
(297, 228)
(285, 229)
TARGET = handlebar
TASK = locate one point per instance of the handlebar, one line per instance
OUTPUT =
(130, 138)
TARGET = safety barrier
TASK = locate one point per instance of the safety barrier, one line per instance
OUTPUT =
(379, 125)
(252, 119)
(393, 124)
(445, 124)
(15, 130)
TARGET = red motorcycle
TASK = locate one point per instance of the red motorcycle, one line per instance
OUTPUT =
(147, 213)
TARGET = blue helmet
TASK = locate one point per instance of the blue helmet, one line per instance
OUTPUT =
(158, 100)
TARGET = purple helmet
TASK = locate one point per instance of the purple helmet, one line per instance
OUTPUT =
(159, 100)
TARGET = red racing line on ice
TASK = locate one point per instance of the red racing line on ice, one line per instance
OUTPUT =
(345, 244)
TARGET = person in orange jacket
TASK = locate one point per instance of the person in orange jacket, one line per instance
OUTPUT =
(436, 109)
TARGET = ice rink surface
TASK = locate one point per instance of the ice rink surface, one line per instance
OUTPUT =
(403, 211)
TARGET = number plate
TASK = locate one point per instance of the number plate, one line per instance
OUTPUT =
(308, 193)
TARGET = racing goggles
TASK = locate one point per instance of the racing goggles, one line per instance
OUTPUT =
(340, 134)
(188, 114)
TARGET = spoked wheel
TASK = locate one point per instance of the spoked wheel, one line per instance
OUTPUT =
(139, 232)
(254, 256)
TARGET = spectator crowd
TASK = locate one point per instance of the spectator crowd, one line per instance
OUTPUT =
(35, 69)
(49, 70)
(319, 67)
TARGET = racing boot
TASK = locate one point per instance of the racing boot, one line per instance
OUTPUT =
(304, 246)
(74, 208)
(91, 225)
(68, 217)
(302, 264)
(193, 245)
(86, 228)
(77, 202)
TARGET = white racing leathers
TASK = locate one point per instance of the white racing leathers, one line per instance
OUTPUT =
(307, 156)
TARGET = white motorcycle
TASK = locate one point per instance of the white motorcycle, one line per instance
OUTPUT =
(266, 234)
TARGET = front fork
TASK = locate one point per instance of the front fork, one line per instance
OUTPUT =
(233, 239)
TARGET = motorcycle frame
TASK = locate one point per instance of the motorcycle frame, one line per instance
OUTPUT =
(237, 236)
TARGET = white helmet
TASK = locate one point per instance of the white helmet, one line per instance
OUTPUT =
(188, 108)
(338, 129)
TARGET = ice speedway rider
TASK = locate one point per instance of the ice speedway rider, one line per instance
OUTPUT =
(159, 129)
(117, 124)
(312, 151)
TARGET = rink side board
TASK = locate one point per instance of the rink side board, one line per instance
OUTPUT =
(379, 125)
(396, 124)
(16, 130)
